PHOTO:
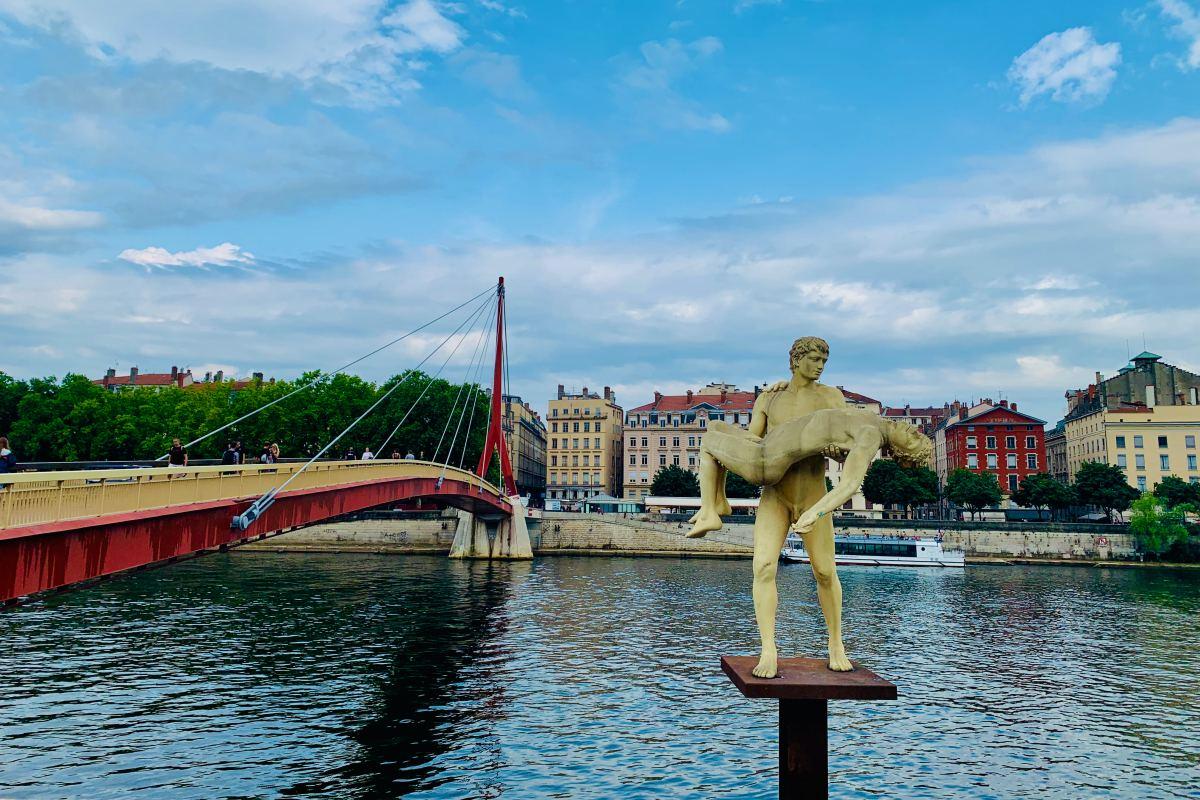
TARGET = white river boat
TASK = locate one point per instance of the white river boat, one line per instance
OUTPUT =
(880, 551)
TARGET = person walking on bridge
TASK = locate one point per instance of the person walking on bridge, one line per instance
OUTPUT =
(8, 459)
(177, 456)
(367, 454)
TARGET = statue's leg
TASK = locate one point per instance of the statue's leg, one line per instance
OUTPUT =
(712, 482)
(770, 531)
(819, 544)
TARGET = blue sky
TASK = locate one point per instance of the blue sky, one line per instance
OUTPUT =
(964, 199)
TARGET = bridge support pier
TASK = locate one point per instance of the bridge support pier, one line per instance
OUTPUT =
(492, 537)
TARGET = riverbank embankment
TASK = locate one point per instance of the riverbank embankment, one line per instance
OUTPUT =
(565, 533)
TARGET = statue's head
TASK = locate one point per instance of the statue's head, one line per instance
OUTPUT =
(808, 356)
(907, 445)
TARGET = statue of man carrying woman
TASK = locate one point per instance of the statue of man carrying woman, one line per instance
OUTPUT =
(795, 425)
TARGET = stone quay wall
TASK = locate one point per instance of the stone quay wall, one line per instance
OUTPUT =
(566, 533)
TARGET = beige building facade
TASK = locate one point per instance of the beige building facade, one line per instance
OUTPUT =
(1145, 420)
(586, 443)
(526, 435)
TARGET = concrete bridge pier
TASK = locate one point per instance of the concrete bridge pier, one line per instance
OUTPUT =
(490, 537)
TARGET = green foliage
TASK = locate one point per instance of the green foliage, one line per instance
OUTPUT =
(673, 481)
(1155, 528)
(1040, 491)
(974, 491)
(1174, 491)
(1104, 486)
(77, 420)
(889, 483)
(737, 486)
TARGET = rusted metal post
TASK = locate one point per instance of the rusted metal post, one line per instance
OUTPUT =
(803, 687)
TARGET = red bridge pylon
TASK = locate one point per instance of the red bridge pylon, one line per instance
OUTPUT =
(495, 432)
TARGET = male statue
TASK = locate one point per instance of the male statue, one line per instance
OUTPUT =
(784, 501)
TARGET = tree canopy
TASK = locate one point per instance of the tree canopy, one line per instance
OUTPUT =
(974, 491)
(1155, 528)
(889, 483)
(1041, 491)
(1104, 486)
(72, 420)
(1174, 491)
(674, 481)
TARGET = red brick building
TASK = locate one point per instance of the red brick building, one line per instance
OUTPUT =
(994, 438)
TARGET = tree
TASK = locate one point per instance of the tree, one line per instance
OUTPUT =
(1174, 491)
(737, 486)
(1104, 486)
(889, 483)
(1155, 528)
(674, 481)
(1040, 491)
(974, 491)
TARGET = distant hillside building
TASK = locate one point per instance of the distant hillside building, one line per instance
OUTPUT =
(178, 378)
(1145, 419)
(990, 437)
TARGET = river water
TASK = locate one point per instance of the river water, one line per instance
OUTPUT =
(361, 676)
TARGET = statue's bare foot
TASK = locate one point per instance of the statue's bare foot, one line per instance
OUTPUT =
(705, 520)
(694, 517)
(768, 664)
(724, 509)
(838, 660)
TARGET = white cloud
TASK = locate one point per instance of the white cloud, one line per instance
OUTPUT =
(37, 218)
(745, 5)
(356, 44)
(1070, 66)
(1186, 26)
(501, 8)
(226, 254)
(652, 82)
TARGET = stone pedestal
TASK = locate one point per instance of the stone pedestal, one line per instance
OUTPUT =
(804, 687)
(492, 537)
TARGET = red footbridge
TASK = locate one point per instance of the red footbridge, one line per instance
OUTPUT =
(69, 528)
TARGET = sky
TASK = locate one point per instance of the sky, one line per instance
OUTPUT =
(994, 199)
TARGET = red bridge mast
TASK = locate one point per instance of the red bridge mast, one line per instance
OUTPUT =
(495, 433)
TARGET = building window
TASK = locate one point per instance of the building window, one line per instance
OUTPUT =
(1010, 461)
(1139, 461)
(586, 463)
(1141, 483)
(991, 443)
(662, 441)
(662, 459)
(692, 461)
(1162, 441)
(645, 459)
(1192, 461)
(632, 460)
(587, 427)
(1030, 442)
(554, 444)
(675, 422)
(674, 441)
(1010, 442)
(633, 441)
(1164, 462)
(972, 461)
(554, 412)
(574, 461)
(645, 442)
(575, 412)
(972, 441)
(991, 460)
(1121, 441)
(1031, 460)
(1189, 441)
(1137, 441)
(675, 459)
(691, 441)
(1121, 462)
(1012, 483)
(597, 428)
(554, 461)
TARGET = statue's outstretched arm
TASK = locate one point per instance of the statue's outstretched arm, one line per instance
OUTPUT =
(853, 474)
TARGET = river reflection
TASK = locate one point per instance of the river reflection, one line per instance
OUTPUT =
(344, 676)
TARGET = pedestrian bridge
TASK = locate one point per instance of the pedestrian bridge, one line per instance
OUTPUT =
(62, 528)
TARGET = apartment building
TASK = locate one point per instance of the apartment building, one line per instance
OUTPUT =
(586, 443)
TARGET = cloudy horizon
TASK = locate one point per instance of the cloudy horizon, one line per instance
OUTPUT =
(993, 206)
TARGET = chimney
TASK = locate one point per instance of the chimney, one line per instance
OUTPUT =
(657, 397)
(1098, 379)
(689, 396)
(272, 381)
(757, 390)
(607, 392)
(133, 373)
(585, 394)
(219, 375)
(258, 377)
(174, 374)
(1004, 404)
(1013, 406)
(560, 391)
(208, 377)
(1092, 391)
(724, 396)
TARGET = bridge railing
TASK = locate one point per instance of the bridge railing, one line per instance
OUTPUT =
(42, 497)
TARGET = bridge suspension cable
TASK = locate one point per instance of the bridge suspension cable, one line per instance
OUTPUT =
(244, 520)
(344, 367)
